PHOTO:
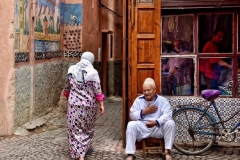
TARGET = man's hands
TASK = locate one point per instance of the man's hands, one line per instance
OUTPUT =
(151, 123)
(174, 69)
(149, 110)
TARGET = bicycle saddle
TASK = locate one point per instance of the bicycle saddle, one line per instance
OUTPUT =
(210, 94)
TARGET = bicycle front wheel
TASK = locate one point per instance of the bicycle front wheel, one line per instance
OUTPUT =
(193, 135)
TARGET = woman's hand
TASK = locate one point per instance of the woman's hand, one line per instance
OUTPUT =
(101, 110)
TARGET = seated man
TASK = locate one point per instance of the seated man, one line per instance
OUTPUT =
(151, 116)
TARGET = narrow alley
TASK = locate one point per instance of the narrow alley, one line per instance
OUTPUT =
(49, 142)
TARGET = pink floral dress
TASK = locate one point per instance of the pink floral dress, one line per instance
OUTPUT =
(82, 113)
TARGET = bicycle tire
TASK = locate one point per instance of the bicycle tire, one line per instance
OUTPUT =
(185, 118)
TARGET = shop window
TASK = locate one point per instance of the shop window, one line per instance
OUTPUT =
(215, 38)
(177, 72)
(177, 76)
(216, 73)
(177, 34)
(215, 29)
(198, 53)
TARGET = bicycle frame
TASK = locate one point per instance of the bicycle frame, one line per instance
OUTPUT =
(215, 122)
(199, 126)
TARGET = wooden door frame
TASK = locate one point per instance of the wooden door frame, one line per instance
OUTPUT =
(124, 73)
(127, 68)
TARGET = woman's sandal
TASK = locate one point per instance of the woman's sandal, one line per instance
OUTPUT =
(130, 157)
(167, 156)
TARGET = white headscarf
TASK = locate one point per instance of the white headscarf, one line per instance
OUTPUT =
(83, 70)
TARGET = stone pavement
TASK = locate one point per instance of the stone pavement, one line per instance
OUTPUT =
(49, 142)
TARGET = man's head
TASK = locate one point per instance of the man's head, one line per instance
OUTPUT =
(149, 89)
(218, 36)
(176, 43)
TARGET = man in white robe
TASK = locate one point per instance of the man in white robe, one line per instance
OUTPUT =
(151, 116)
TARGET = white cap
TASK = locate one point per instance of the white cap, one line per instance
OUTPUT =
(150, 81)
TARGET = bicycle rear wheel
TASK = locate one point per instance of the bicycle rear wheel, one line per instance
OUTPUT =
(190, 139)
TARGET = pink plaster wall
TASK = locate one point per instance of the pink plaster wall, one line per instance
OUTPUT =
(112, 22)
(119, 30)
(6, 66)
(97, 20)
(90, 30)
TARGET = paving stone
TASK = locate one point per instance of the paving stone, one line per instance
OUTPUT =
(49, 142)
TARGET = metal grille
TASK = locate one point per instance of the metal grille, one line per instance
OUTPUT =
(72, 54)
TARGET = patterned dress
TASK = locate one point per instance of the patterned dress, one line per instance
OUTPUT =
(82, 112)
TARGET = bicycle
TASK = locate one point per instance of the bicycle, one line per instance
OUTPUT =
(199, 128)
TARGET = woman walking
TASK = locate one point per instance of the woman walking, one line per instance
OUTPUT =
(84, 94)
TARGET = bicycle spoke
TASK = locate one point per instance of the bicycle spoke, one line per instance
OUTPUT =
(189, 124)
(194, 135)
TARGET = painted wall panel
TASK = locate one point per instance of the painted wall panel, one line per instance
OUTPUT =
(21, 19)
(47, 26)
(71, 28)
(71, 14)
